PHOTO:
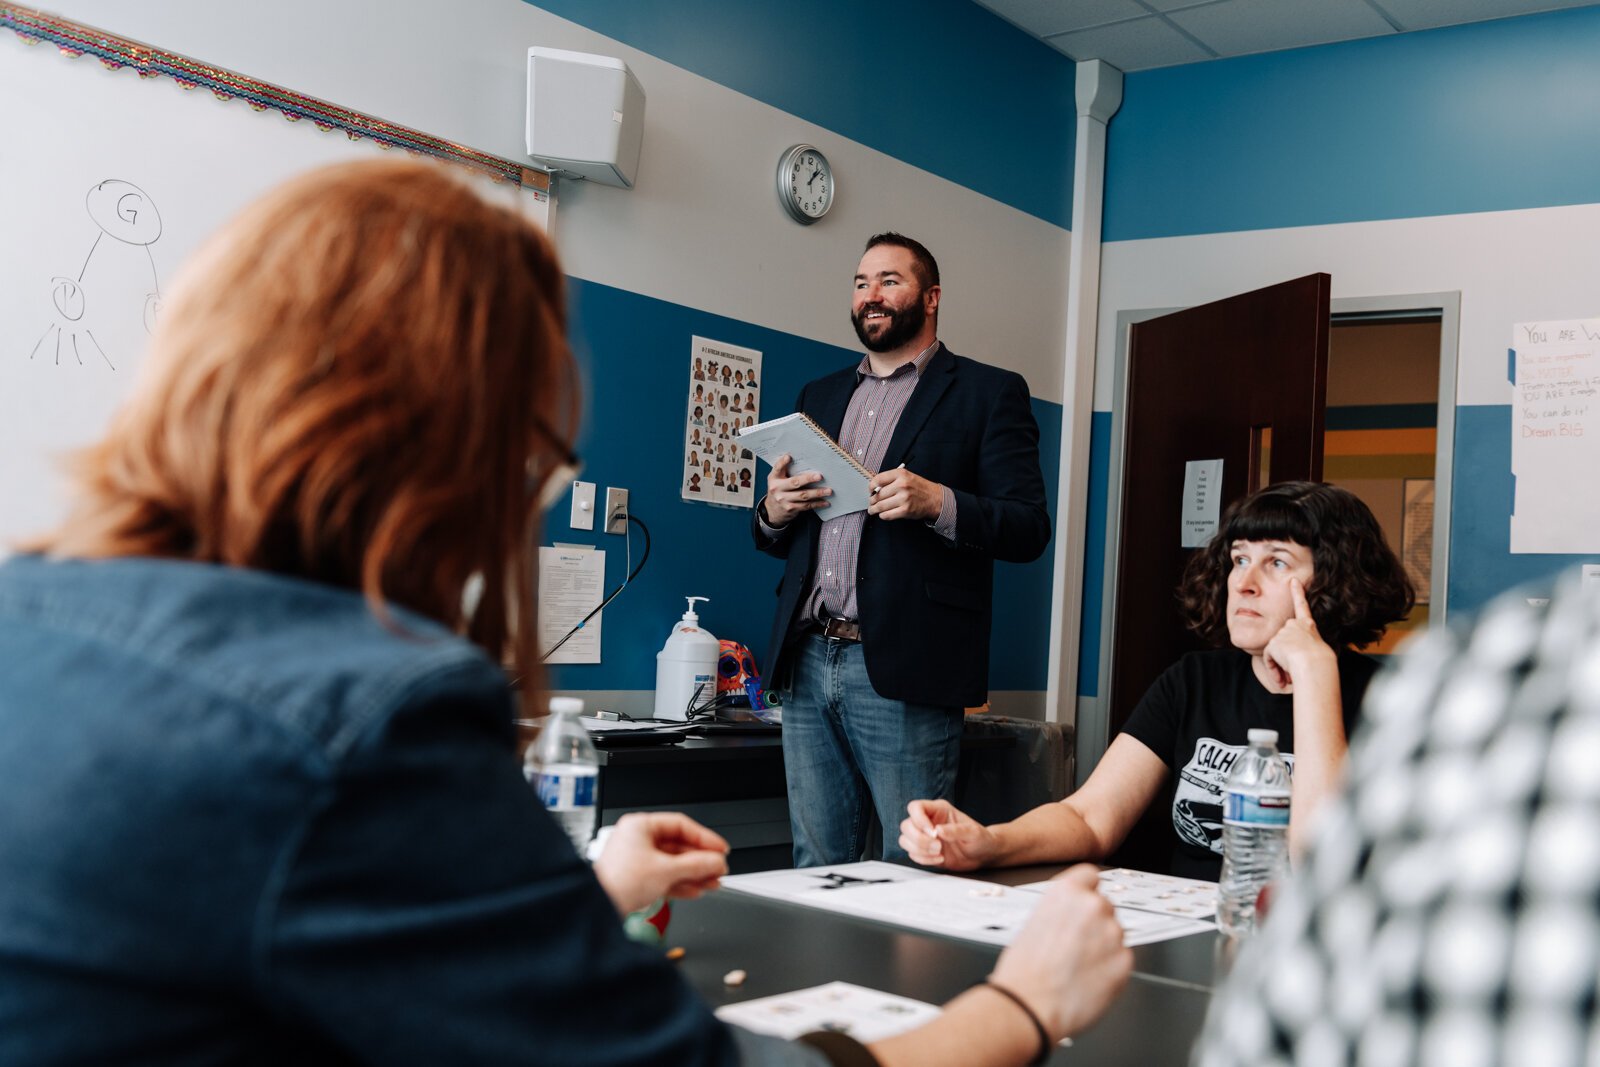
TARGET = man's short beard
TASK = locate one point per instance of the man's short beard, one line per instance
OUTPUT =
(903, 325)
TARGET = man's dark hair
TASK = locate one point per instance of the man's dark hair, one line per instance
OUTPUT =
(925, 266)
(1358, 586)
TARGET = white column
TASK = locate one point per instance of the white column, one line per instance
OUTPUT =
(1099, 93)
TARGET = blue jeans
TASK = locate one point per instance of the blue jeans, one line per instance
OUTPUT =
(848, 751)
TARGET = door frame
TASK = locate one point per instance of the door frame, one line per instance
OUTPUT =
(1093, 723)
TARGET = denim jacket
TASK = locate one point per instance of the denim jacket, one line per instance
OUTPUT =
(243, 821)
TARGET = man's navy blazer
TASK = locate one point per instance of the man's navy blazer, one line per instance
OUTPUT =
(926, 603)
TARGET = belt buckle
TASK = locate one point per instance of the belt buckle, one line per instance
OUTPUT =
(841, 630)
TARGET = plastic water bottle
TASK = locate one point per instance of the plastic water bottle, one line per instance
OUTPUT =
(563, 766)
(1255, 831)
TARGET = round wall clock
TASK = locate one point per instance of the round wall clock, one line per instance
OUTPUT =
(805, 183)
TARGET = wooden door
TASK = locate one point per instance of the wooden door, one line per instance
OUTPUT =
(1225, 380)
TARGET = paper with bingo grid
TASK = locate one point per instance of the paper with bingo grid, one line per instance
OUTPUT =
(864, 1014)
(1163, 894)
(902, 896)
(940, 903)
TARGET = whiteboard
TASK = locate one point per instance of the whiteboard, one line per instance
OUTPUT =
(107, 182)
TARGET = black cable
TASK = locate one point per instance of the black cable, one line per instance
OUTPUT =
(694, 713)
(584, 621)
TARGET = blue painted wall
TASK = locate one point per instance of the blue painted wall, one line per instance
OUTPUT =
(1482, 117)
(942, 85)
(635, 352)
(946, 87)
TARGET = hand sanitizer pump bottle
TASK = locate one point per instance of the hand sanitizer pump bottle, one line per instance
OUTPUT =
(686, 667)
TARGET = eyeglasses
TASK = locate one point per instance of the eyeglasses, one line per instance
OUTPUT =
(548, 488)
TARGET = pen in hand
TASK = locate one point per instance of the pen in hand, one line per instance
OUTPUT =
(877, 487)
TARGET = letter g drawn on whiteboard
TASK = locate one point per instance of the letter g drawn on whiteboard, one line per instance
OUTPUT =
(125, 213)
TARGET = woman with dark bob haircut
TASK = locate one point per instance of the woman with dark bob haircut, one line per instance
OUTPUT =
(1297, 577)
(260, 794)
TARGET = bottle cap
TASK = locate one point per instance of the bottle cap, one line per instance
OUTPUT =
(561, 704)
(1257, 737)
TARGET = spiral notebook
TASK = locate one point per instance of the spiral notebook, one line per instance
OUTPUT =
(813, 450)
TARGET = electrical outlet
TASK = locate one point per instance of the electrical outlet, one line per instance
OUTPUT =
(616, 510)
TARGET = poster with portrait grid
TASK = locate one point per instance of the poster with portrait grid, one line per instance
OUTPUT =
(724, 396)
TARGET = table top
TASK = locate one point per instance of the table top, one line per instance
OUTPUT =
(697, 750)
(741, 746)
(784, 947)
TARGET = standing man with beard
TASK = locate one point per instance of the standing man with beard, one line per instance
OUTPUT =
(882, 629)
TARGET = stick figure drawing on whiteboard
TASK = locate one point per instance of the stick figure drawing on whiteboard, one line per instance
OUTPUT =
(126, 214)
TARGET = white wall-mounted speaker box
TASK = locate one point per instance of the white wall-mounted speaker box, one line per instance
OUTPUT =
(585, 116)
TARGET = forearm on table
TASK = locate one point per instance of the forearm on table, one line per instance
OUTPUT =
(1050, 833)
(973, 1030)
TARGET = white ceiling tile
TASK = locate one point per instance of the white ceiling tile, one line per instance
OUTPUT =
(1427, 14)
(1241, 27)
(1126, 35)
(1135, 45)
(1044, 17)
(1055, 42)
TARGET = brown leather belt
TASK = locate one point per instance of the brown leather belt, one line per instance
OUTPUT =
(841, 630)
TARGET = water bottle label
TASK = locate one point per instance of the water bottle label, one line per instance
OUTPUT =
(567, 792)
(1249, 809)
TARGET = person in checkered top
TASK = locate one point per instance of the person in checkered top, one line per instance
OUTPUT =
(1449, 910)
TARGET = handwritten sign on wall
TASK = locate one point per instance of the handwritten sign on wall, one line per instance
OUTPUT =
(1555, 436)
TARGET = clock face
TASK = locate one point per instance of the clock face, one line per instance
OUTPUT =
(805, 183)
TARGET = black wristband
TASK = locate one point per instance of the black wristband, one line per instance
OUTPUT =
(1045, 1044)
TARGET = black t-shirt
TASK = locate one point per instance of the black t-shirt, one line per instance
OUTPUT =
(1196, 717)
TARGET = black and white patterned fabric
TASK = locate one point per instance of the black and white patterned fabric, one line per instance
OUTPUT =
(1448, 914)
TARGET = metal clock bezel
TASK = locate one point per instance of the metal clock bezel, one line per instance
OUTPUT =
(786, 165)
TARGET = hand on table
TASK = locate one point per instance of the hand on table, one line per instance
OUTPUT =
(937, 834)
(1068, 962)
(659, 854)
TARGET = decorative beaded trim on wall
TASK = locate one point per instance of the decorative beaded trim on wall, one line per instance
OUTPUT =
(75, 39)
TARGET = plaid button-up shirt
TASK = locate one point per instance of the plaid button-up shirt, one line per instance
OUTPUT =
(869, 422)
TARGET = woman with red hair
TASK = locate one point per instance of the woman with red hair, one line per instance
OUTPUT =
(260, 794)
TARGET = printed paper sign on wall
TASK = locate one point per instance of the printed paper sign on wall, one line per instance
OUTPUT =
(724, 397)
